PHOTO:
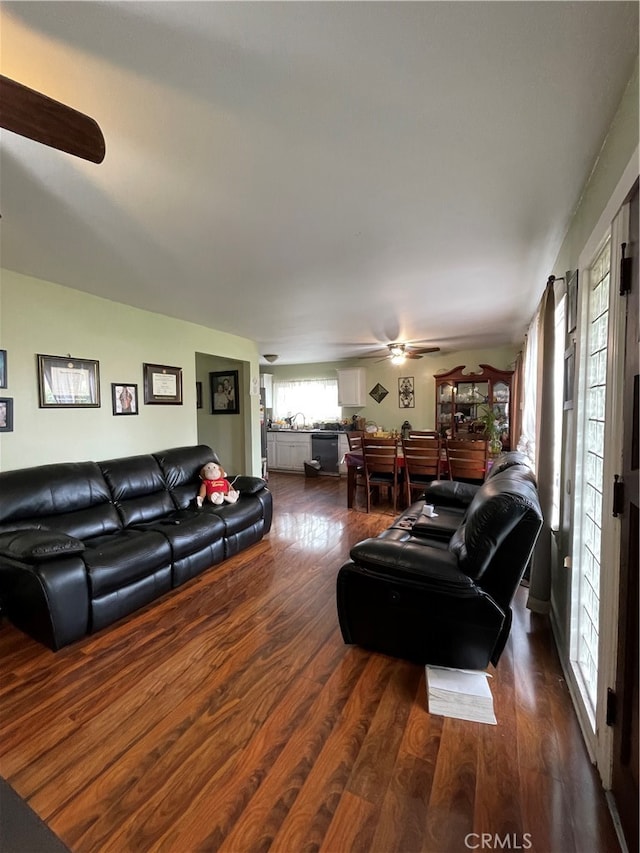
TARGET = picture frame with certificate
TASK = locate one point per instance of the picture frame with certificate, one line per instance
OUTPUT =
(162, 384)
(67, 382)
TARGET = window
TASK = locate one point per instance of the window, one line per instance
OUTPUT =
(588, 530)
(317, 399)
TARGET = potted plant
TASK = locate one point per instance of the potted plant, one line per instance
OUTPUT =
(488, 417)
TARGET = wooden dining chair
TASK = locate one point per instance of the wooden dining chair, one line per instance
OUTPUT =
(354, 440)
(467, 460)
(422, 456)
(424, 433)
(381, 467)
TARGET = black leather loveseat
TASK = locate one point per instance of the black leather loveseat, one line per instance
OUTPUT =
(83, 544)
(439, 590)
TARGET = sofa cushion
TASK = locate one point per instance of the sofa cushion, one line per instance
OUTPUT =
(181, 467)
(138, 488)
(116, 560)
(497, 508)
(70, 497)
(188, 531)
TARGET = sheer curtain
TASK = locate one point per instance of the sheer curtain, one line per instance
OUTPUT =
(317, 399)
(538, 439)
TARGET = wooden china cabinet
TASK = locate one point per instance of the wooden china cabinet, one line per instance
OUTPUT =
(462, 398)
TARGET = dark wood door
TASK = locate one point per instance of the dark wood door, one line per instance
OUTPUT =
(626, 748)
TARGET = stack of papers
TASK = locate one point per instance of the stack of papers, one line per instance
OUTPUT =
(460, 693)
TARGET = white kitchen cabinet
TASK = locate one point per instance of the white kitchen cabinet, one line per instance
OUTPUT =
(289, 450)
(352, 382)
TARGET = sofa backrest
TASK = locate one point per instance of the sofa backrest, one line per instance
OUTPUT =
(138, 488)
(494, 542)
(69, 497)
(509, 459)
(181, 468)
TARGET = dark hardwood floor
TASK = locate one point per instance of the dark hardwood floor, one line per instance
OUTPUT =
(230, 716)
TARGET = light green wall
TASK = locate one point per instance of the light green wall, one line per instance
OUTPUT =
(388, 414)
(619, 149)
(40, 317)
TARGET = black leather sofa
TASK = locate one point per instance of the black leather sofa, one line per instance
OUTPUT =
(439, 590)
(83, 544)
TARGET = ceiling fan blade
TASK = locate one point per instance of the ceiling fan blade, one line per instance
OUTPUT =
(31, 114)
(424, 350)
(411, 354)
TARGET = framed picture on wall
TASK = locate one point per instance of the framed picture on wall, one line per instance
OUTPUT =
(162, 384)
(198, 395)
(124, 399)
(3, 368)
(6, 414)
(225, 392)
(66, 382)
(406, 393)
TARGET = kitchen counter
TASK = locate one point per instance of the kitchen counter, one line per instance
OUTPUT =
(309, 431)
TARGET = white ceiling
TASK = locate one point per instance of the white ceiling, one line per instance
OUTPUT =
(318, 177)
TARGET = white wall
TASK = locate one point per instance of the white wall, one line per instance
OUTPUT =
(41, 317)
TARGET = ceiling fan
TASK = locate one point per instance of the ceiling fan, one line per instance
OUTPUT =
(36, 116)
(398, 352)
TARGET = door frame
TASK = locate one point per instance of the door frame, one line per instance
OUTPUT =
(614, 219)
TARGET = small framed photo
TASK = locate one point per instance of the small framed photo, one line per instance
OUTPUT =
(162, 384)
(124, 399)
(66, 382)
(6, 414)
(3, 368)
(198, 395)
(225, 392)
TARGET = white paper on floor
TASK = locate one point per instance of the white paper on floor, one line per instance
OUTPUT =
(460, 693)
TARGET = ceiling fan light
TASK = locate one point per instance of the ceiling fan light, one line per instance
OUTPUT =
(397, 350)
(397, 358)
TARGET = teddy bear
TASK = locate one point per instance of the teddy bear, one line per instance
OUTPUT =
(215, 487)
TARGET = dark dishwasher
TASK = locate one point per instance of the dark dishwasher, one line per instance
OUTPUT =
(324, 448)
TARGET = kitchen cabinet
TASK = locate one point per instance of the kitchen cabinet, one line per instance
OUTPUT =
(463, 398)
(352, 383)
(288, 451)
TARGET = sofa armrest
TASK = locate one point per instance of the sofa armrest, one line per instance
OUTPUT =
(450, 493)
(38, 546)
(434, 567)
(246, 484)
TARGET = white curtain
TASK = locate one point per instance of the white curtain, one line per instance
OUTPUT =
(527, 439)
(538, 435)
(317, 399)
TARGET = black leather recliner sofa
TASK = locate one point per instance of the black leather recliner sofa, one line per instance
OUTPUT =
(83, 544)
(439, 590)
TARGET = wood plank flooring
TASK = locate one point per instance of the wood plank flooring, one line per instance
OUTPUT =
(230, 716)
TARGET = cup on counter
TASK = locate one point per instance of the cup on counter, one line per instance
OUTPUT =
(429, 510)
